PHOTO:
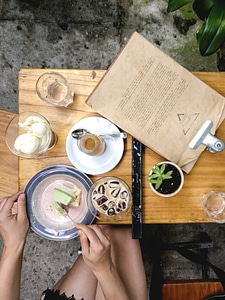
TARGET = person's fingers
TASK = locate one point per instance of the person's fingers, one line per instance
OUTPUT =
(93, 236)
(2, 202)
(7, 205)
(8, 202)
(100, 233)
(89, 232)
(21, 207)
(15, 196)
(84, 242)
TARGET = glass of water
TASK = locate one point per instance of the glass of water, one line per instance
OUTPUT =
(53, 88)
(214, 206)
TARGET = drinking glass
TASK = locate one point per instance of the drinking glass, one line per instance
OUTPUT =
(29, 135)
(53, 88)
(109, 198)
(214, 206)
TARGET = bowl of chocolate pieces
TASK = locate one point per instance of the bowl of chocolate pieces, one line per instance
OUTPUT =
(110, 198)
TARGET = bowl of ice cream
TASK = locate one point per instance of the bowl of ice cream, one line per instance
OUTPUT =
(110, 198)
(29, 135)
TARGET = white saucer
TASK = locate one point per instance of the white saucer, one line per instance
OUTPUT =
(95, 165)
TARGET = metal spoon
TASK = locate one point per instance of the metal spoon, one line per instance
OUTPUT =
(66, 209)
(78, 133)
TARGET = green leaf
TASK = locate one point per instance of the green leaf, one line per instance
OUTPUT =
(158, 183)
(156, 169)
(162, 169)
(212, 35)
(168, 175)
(153, 181)
(176, 4)
(153, 175)
(200, 32)
(202, 8)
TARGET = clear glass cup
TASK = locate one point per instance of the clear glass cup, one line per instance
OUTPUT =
(53, 88)
(109, 198)
(214, 206)
(91, 144)
(29, 135)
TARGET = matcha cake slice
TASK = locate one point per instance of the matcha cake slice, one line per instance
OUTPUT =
(66, 196)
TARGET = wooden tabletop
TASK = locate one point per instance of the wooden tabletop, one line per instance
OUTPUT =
(9, 162)
(186, 207)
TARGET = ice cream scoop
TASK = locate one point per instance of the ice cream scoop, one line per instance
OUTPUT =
(39, 129)
(36, 136)
(27, 143)
(35, 125)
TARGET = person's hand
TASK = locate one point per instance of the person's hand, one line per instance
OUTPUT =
(14, 222)
(95, 247)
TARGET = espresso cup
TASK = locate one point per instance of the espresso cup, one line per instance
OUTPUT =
(91, 144)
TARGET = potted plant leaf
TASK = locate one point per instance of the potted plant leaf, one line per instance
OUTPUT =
(166, 179)
(211, 35)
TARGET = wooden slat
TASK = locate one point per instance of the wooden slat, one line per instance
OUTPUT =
(186, 207)
(191, 290)
(9, 162)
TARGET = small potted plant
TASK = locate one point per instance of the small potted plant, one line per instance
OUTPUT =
(166, 179)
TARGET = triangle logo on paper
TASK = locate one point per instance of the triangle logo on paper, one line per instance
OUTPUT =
(187, 121)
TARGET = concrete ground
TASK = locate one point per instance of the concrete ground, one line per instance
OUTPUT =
(88, 34)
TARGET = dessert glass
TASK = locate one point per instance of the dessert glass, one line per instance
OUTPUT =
(29, 135)
(110, 198)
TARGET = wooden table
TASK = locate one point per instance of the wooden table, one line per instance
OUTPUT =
(9, 162)
(207, 174)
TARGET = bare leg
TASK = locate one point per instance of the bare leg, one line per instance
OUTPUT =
(99, 294)
(78, 281)
(126, 254)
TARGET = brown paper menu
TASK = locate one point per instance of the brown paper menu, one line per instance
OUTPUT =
(159, 102)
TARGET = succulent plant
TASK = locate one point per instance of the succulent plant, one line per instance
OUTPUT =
(211, 35)
(157, 176)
